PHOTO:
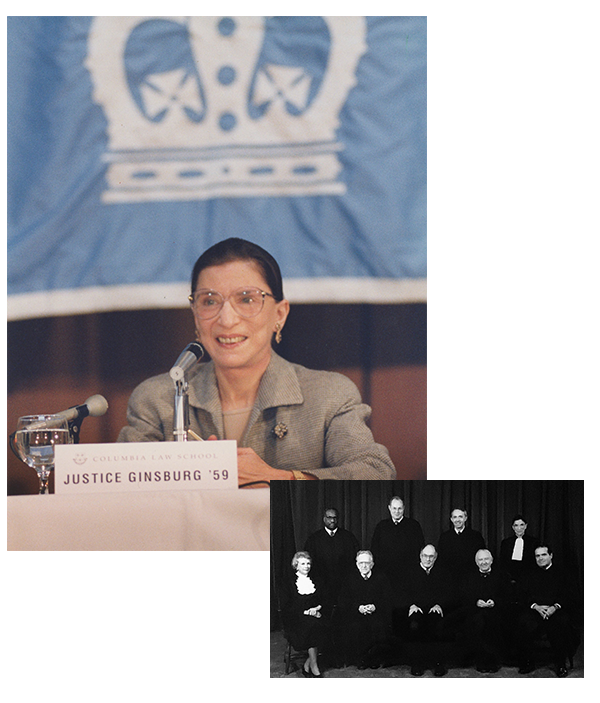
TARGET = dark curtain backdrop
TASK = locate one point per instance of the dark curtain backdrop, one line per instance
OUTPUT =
(552, 509)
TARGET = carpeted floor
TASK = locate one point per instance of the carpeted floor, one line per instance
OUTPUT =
(278, 668)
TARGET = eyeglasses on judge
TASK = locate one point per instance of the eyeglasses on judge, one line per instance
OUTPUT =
(247, 302)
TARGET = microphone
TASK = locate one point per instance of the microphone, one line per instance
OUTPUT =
(188, 357)
(95, 406)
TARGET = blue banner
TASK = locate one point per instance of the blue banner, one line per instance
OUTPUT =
(134, 143)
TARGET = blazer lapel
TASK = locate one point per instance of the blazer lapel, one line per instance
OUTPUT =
(203, 393)
(279, 386)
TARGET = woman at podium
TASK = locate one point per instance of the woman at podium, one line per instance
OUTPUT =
(290, 422)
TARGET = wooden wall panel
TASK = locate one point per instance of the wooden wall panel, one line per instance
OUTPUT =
(54, 363)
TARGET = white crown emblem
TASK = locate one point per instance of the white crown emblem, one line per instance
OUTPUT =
(204, 107)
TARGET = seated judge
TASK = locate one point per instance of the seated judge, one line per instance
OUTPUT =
(290, 423)
(549, 599)
(302, 601)
(431, 596)
(364, 606)
(483, 596)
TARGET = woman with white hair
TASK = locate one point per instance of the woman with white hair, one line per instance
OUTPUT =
(303, 603)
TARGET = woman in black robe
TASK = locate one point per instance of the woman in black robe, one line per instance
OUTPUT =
(303, 605)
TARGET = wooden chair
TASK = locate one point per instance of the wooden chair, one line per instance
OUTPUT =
(291, 656)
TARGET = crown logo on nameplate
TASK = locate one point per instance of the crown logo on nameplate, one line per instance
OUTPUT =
(207, 107)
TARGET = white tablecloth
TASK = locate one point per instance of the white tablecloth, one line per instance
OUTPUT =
(230, 520)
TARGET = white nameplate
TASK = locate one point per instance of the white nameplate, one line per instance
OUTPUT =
(145, 466)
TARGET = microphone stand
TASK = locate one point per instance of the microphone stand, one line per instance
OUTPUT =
(181, 417)
(75, 427)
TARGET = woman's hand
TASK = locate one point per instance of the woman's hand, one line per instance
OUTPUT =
(313, 612)
(252, 468)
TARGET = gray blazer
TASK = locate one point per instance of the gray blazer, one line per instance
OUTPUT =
(319, 414)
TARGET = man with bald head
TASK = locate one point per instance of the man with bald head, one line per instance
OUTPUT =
(483, 596)
(333, 551)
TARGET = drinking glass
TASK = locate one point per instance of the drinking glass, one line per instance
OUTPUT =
(34, 441)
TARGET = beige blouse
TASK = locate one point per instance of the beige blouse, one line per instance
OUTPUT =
(235, 423)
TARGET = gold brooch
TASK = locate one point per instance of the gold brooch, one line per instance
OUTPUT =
(280, 430)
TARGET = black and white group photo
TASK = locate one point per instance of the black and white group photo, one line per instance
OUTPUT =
(427, 579)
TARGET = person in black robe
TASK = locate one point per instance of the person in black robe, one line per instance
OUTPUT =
(483, 597)
(365, 606)
(548, 594)
(396, 543)
(304, 624)
(517, 553)
(333, 550)
(457, 547)
(430, 597)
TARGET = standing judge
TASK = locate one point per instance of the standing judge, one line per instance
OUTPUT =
(457, 547)
(517, 553)
(333, 550)
(396, 543)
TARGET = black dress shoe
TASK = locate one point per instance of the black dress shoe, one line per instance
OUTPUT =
(417, 670)
(561, 672)
(439, 670)
(526, 668)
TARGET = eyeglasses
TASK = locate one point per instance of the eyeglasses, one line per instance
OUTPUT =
(247, 302)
